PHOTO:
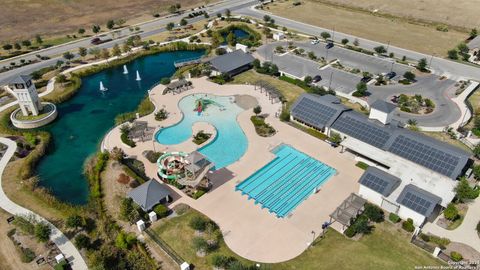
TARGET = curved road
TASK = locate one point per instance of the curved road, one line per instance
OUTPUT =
(63, 243)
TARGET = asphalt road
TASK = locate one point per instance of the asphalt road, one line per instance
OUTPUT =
(452, 69)
(147, 29)
(428, 85)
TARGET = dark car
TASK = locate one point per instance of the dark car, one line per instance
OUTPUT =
(96, 41)
(317, 78)
(329, 45)
(366, 79)
(390, 75)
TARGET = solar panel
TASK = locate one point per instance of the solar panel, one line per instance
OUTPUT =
(313, 113)
(425, 155)
(375, 183)
(379, 181)
(418, 200)
(362, 130)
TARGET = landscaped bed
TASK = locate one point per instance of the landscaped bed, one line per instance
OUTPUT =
(415, 104)
(263, 129)
(47, 109)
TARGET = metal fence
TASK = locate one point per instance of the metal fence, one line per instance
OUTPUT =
(164, 246)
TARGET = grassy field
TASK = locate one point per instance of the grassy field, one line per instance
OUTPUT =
(398, 32)
(59, 17)
(386, 248)
(460, 13)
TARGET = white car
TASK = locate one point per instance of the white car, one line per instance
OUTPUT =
(315, 42)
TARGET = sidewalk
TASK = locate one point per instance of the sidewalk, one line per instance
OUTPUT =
(63, 243)
(466, 233)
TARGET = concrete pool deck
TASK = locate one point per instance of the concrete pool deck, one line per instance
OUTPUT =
(248, 230)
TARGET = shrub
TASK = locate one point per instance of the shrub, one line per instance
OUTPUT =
(152, 156)
(161, 210)
(198, 223)
(82, 241)
(451, 212)
(134, 183)
(125, 240)
(27, 255)
(221, 261)
(198, 194)
(440, 241)
(425, 237)
(165, 81)
(464, 191)
(362, 165)
(42, 232)
(161, 115)
(350, 232)
(25, 224)
(478, 227)
(361, 225)
(123, 179)
(408, 226)
(285, 116)
(374, 213)
(456, 257)
(200, 244)
(394, 218)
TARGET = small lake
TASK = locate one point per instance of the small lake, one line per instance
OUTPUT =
(84, 120)
(239, 35)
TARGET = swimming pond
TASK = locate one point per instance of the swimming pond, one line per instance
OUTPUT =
(286, 181)
(230, 142)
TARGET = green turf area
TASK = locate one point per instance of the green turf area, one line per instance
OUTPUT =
(387, 247)
(46, 110)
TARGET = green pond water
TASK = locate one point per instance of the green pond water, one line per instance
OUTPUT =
(86, 118)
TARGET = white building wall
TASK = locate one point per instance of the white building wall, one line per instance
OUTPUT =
(405, 213)
(370, 195)
(383, 117)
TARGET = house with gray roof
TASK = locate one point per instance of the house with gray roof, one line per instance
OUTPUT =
(399, 158)
(149, 194)
(231, 63)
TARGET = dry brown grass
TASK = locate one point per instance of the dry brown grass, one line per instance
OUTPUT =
(400, 33)
(25, 19)
(463, 13)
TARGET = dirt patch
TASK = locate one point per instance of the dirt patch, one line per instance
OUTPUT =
(246, 101)
(398, 32)
(113, 190)
(58, 16)
(468, 253)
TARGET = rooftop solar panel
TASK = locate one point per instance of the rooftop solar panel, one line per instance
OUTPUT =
(379, 181)
(317, 113)
(418, 200)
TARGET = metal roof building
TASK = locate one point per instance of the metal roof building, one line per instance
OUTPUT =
(232, 63)
(149, 194)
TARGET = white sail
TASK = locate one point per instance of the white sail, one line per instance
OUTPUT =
(125, 70)
(138, 76)
(102, 88)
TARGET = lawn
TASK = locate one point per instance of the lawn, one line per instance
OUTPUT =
(444, 137)
(289, 91)
(386, 248)
(397, 31)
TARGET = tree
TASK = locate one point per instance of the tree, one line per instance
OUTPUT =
(462, 48)
(42, 232)
(120, 22)
(463, 191)
(219, 15)
(451, 212)
(473, 32)
(74, 222)
(95, 52)
(161, 210)
(409, 76)
(125, 240)
(325, 35)
(105, 54)
(422, 64)
(128, 211)
(220, 51)
(453, 54)
(81, 31)
(362, 87)
(183, 22)
(96, 28)
(198, 223)
(26, 43)
(228, 13)
(257, 110)
(476, 172)
(17, 46)
(231, 39)
(68, 56)
(412, 122)
(61, 78)
(82, 51)
(38, 39)
(116, 50)
(266, 18)
(356, 42)
(82, 241)
(7, 47)
(345, 41)
(200, 244)
(312, 55)
(172, 9)
(110, 24)
(308, 79)
(380, 49)
(476, 150)
(170, 26)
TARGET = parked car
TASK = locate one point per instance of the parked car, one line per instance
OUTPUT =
(329, 45)
(317, 78)
(366, 79)
(96, 41)
(315, 42)
(390, 75)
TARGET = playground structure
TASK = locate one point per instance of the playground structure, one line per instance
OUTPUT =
(202, 104)
(185, 169)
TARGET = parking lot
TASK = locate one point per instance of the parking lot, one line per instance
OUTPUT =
(428, 85)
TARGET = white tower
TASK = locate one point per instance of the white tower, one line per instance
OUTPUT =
(26, 94)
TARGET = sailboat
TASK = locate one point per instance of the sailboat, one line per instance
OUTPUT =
(138, 77)
(102, 88)
(125, 70)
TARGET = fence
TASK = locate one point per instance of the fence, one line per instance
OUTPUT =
(165, 247)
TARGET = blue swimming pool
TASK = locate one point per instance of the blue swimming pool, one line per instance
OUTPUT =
(230, 143)
(286, 181)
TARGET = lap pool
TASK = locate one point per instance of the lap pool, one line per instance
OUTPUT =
(220, 111)
(286, 181)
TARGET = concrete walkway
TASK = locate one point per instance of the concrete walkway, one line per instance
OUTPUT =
(62, 242)
(465, 233)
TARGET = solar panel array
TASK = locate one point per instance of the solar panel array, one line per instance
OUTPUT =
(367, 133)
(313, 113)
(376, 183)
(427, 156)
(416, 203)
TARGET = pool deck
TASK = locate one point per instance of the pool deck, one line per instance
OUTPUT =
(248, 230)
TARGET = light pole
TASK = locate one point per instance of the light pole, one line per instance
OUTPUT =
(333, 34)
(430, 64)
(391, 68)
(313, 237)
(388, 45)
(330, 82)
